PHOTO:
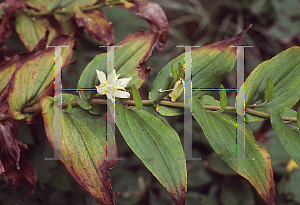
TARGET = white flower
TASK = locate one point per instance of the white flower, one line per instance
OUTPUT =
(113, 87)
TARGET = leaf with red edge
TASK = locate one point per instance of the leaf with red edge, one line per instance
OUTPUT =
(5, 75)
(32, 29)
(154, 15)
(220, 130)
(7, 68)
(32, 79)
(95, 24)
(210, 63)
(137, 47)
(83, 138)
(10, 7)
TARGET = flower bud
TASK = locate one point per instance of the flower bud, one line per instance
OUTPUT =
(177, 90)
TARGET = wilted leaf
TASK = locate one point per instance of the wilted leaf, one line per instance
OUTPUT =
(95, 24)
(15, 169)
(10, 7)
(83, 147)
(31, 80)
(154, 15)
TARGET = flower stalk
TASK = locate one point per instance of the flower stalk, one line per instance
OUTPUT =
(149, 102)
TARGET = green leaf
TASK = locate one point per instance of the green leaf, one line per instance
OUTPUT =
(284, 70)
(136, 97)
(6, 73)
(220, 130)
(210, 65)
(158, 145)
(43, 6)
(223, 98)
(298, 117)
(290, 138)
(137, 47)
(209, 100)
(169, 111)
(70, 105)
(32, 29)
(269, 90)
(174, 75)
(179, 69)
(49, 5)
(32, 79)
(84, 144)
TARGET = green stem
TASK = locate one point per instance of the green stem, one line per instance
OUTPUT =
(149, 102)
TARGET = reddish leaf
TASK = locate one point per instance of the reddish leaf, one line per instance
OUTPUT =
(83, 142)
(32, 79)
(15, 169)
(154, 15)
(95, 24)
(7, 68)
(10, 6)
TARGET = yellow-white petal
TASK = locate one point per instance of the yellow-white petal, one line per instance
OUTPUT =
(101, 90)
(122, 83)
(121, 94)
(101, 76)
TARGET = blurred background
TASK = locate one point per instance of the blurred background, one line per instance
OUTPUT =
(275, 27)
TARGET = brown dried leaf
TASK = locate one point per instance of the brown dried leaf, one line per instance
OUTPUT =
(95, 24)
(15, 169)
(10, 6)
(154, 15)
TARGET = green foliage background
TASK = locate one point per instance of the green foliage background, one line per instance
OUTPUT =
(276, 26)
